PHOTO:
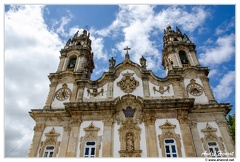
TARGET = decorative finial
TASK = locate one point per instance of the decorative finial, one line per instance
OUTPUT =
(167, 23)
(127, 55)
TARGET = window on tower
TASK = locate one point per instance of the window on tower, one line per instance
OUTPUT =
(183, 58)
(72, 63)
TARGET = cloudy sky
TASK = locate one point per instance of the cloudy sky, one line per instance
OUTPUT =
(34, 35)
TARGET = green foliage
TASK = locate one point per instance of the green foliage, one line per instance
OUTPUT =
(231, 124)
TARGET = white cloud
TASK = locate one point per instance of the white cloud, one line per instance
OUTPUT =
(31, 53)
(62, 24)
(225, 87)
(98, 48)
(212, 72)
(136, 24)
(225, 26)
(223, 51)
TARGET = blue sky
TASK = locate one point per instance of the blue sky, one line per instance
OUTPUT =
(35, 34)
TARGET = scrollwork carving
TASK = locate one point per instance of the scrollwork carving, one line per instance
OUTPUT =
(128, 83)
(95, 92)
(161, 89)
(39, 127)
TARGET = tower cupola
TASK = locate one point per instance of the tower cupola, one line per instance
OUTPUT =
(77, 55)
(178, 51)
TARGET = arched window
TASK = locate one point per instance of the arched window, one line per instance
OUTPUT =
(170, 148)
(183, 57)
(48, 152)
(72, 62)
(90, 149)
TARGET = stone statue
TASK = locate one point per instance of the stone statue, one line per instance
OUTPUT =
(143, 62)
(112, 62)
(129, 140)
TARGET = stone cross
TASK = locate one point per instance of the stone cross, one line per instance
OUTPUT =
(127, 49)
(127, 55)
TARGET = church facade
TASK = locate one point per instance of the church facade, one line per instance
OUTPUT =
(129, 111)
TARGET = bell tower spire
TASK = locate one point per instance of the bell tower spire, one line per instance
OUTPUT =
(178, 50)
(77, 56)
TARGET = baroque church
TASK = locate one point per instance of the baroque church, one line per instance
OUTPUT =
(129, 111)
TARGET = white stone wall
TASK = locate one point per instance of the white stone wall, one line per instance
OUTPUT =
(143, 145)
(116, 142)
(56, 104)
(117, 90)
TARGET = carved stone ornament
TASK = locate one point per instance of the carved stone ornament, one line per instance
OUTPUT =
(168, 132)
(91, 134)
(211, 136)
(95, 92)
(129, 112)
(128, 83)
(161, 89)
(51, 139)
(129, 134)
(39, 127)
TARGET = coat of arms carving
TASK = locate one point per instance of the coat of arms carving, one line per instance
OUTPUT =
(128, 83)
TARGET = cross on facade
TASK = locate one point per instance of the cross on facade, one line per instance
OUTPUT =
(127, 49)
(127, 55)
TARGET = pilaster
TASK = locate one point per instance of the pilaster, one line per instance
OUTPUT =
(60, 66)
(207, 89)
(228, 142)
(38, 131)
(186, 136)
(64, 143)
(196, 138)
(74, 136)
(51, 95)
(146, 92)
(151, 138)
(107, 141)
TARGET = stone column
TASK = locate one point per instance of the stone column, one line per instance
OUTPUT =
(51, 95)
(151, 137)
(208, 90)
(74, 93)
(227, 139)
(80, 91)
(74, 136)
(146, 92)
(186, 137)
(196, 139)
(107, 141)
(38, 131)
(110, 88)
(177, 89)
(64, 143)
(60, 66)
(66, 60)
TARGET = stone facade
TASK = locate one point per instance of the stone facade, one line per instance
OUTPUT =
(129, 111)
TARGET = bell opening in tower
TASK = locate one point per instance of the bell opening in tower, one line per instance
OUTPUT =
(183, 58)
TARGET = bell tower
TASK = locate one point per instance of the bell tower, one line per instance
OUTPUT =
(75, 68)
(77, 56)
(178, 51)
